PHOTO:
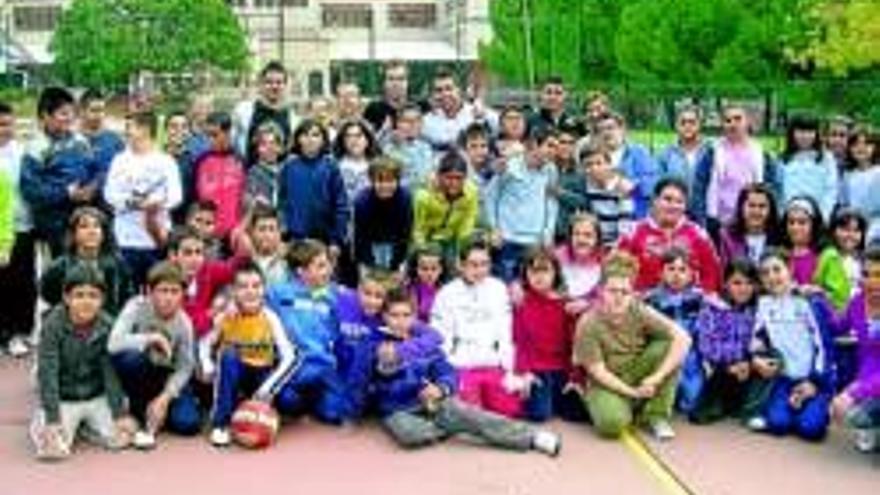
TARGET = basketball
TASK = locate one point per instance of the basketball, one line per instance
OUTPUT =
(254, 424)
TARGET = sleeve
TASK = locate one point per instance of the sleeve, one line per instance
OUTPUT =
(38, 191)
(123, 336)
(361, 231)
(206, 348)
(470, 211)
(645, 169)
(52, 281)
(174, 192)
(184, 358)
(587, 349)
(425, 344)
(341, 209)
(115, 192)
(710, 265)
(491, 198)
(443, 320)
(552, 215)
(505, 329)
(7, 216)
(522, 362)
(700, 187)
(831, 276)
(831, 194)
(401, 246)
(442, 374)
(286, 360)
(420, 231)
(49, 357)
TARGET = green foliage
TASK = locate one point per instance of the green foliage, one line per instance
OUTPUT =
(103, 42)
(850, 36)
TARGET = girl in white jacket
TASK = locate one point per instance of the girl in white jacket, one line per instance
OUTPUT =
(473, 314)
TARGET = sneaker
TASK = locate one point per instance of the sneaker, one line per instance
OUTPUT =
(757, 423)
(17, 347)
(547, 442)
(866, 440)
(144, 440)
(220, 437)
(661, 429)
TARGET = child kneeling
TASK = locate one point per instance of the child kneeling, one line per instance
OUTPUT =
(76, 380)
(248, 337)
(416, 396)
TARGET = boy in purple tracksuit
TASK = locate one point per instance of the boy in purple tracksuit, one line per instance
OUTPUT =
(359, 314)
(415, 394)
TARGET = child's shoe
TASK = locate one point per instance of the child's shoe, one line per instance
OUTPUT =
(220, 437)
(547, 442)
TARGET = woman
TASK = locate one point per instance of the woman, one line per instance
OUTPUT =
(667, 226)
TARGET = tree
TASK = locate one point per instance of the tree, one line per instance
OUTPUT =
(849, 36)
(104, 42)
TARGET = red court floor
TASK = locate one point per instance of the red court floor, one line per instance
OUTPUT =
(311, 458)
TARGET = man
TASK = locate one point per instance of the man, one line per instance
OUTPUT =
(395, 96)
(552, 113)
(451, 114)
(269, 106)
(106, 143)
(680, 159)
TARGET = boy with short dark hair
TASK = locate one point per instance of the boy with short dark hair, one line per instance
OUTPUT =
(59, 171)
(405, 144)
(152, 348)
(77, 384)
(383, 218)
(415, 394)
(105, 143)
(201, 217)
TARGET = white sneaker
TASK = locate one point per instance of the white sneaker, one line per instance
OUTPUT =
(866, 440)
(547, 442)
(661, 429)
(144, 440)
(17, 347)
(757, 423)
(220, 437)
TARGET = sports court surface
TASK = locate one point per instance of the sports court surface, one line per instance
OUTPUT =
(314, 459)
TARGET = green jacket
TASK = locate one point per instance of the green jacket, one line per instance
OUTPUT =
(441, 221)
(75, 368)
(831, 276)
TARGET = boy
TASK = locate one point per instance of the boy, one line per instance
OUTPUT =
(269, 253)
(360, 316)
(59, 171)
(143, 183)
(247, 339)
(17, 274)
(415, 393)
(76, 381)
(105, 143)
(406, 145)
(177, 133)
(521, 211)
(305, 303)
(151, 345)
(220, 175)
(383, 218)
(201, 217)
(446, 212)
(475, 143)
(262, 177)
(607, 194)
(473, 314)
(681, 300)
(632, 161)
(570, 185)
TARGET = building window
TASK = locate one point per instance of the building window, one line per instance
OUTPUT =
(346, 15)
(295, 3)
(36, 18)
(412, 15)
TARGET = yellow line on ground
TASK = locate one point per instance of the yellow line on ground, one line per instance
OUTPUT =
(664, 476)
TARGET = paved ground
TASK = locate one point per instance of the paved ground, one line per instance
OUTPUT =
(311, 458)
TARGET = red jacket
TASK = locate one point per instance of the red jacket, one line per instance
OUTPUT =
(648, 242)
(220, 177)
(542, 334)
(210, 279)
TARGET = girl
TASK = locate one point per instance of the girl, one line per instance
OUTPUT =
(803, 237)
(808, 170)
(542, 332)
(858, 405)
(87, 241)
(426, 277)
(788, 349)
(580, 261)
(754, 228)
(312, 192)
(723, 343)
(861, 178)
(839, 270)
(262, 176)
(355, 146)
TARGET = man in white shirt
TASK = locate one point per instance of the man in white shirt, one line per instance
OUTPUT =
(451, 115)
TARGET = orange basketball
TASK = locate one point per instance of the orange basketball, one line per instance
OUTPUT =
(254, 424)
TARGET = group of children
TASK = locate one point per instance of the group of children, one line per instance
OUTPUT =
(477, 287)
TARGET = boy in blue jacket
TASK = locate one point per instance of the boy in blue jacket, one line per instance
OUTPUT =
(59, 171)
(306, 304)
(415, 394)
